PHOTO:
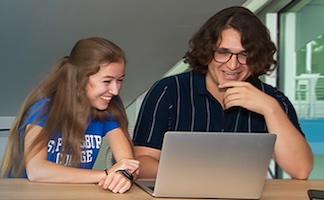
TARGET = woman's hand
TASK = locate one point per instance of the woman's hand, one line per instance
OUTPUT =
(117, 182)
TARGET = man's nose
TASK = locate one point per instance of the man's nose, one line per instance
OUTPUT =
(233, 62)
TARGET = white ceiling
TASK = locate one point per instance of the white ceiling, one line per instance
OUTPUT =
(153, 33)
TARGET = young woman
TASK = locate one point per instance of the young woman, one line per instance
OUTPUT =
(57, 134)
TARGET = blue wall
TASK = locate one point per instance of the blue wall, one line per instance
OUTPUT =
(314, 131)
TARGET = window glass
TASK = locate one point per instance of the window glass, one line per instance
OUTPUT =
(301, 70)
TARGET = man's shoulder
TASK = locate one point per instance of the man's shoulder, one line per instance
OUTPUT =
(183, 75)
(273, 91)
(170, 84)
(181, 78)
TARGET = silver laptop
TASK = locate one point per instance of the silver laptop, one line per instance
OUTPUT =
(212, 165)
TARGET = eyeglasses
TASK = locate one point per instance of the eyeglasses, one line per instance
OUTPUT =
(221, 56)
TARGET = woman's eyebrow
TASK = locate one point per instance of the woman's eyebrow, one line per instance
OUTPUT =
(109, 76)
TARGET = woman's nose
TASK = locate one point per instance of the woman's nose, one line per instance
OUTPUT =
(114, 89)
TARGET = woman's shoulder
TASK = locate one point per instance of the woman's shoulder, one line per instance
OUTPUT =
(39, 103)
(36, 113)
(39, 106)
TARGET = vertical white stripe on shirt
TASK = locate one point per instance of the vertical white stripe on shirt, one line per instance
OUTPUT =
(140, 114)
(154, 113)
(237, 120)
(249, 122)
(178, 103)
(286, 107)
(208, 114)
(192, 104)
(263, 90)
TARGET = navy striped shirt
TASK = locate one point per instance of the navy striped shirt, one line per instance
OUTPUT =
(182, 103)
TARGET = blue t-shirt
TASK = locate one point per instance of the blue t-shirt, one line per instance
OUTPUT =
(90, 147)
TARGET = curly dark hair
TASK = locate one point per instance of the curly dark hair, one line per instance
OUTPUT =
(255, 39)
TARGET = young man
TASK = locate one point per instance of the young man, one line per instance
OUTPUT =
(222, 92)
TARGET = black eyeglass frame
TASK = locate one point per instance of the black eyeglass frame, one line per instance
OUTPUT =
(229, 58)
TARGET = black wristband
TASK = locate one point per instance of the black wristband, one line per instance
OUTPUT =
(106, 171)
(126, 174)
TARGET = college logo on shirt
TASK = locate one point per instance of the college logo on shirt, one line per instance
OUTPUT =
(90, 144)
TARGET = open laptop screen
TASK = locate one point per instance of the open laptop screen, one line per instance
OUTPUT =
(213, 165)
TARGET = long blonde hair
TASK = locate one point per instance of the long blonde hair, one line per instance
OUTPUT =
(68, 109)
